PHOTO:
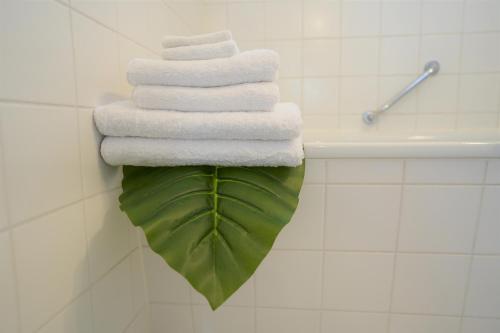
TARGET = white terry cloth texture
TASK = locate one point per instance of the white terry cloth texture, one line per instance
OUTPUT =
(245, 67)
(213, 37)
(224, 49)
(241, 97)
(168, 152)
(124, 119)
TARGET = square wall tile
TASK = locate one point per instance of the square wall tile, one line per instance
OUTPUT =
(488, 234)
(476, 325)
(290, 321)
(360, 18)
(493, 172)
(439, 218)
(442, 16)
(224, 320)
(399, 55)
(480, 52)
(112, 300)
(321, 57)
(445, 171)
(357, 281)
(482, 15)
(52, 264)
(178, 318)
(108, 232)
(8, 301)
(305, 230)
(41, 158)
(320, 96)
(439, 96)
(290, 57)
(360, 56)
(291, 91)
(430, 284)
(316, 171)
(479, 93)
(364, 171)
(353, 87)
(477, 120)
(400, 17)
(164, 284)
(483, 297)
(443, 48)
(290, 279)
(75, 318)
(142, 323)
(428, 324)
(280, 26)
(37, 54)
(353, 322)
(243, 18)
(436, 122)
(322, 18)
(355, 219)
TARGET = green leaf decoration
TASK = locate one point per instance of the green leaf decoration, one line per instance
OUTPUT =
(213, 225)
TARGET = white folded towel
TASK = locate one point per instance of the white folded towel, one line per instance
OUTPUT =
(213, 37)
(241, 97)
(167, 152)
(245, 67)
(224, 49)
(124, 119)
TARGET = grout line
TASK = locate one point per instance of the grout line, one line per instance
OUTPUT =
(135, 316)
(323, 252)
(460, 60)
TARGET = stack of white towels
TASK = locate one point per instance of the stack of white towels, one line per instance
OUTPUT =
(205, 103)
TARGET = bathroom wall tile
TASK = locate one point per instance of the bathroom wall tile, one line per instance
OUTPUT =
(108, 232)
(488, 234)
(290, 321)
(440, 95)
(215, 17)
(283, 26)
(353, 322)
(398, 123)
(291, 91)
(103, 12)
(142, 323)
(321, 57)
(305, 230)
(390, 85)
(97, 176)
(51, 261)
(37, 55)
(445, 171)
(482, 15)
(321, 123)
(320, 95)
(364, 171)
(75, 318)
(322, 18)
(428, 324)
(41, 158)
(138, 281)
(371, 228)
(483, 297)
(224, 320)
(439, 218)
(8, 301)
(398, 55)
(97, 62)
(316, 171)
(436, 122)
(177, 318)
(3, 194)
(421, 280)
(400, 18)
(243, 20)
(164, 284)
(442, 16)
(477, 120)
(112, 300)
(493, 172)
(357, 281)
(290, 57)
(479, 93)
(354, 56)
(360, 18)
(290, 279)
(480, 52)
(445, 49)
(475, 325)
(353, 87)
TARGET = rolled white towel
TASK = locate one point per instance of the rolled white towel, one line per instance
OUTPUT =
(124, 119)
(241, 97)
(168, 152)
(245, 67)
(224, 49)
(213, 37)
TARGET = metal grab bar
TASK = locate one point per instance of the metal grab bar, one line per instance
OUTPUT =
(431, 68)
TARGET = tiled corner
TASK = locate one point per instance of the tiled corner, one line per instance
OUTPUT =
(75, 318)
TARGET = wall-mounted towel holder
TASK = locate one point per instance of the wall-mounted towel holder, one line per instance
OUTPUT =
(431, 68)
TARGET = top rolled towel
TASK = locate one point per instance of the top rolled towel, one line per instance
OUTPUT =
(245, 67)
(201, 52)
(213, 37)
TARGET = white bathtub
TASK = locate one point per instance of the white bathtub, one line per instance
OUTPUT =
(337, 144)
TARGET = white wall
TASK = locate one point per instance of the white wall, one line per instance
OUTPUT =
(376, 245)
(69, 259)
(341, 58)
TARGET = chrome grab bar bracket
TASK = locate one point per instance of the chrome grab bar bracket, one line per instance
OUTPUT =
(431, 68)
